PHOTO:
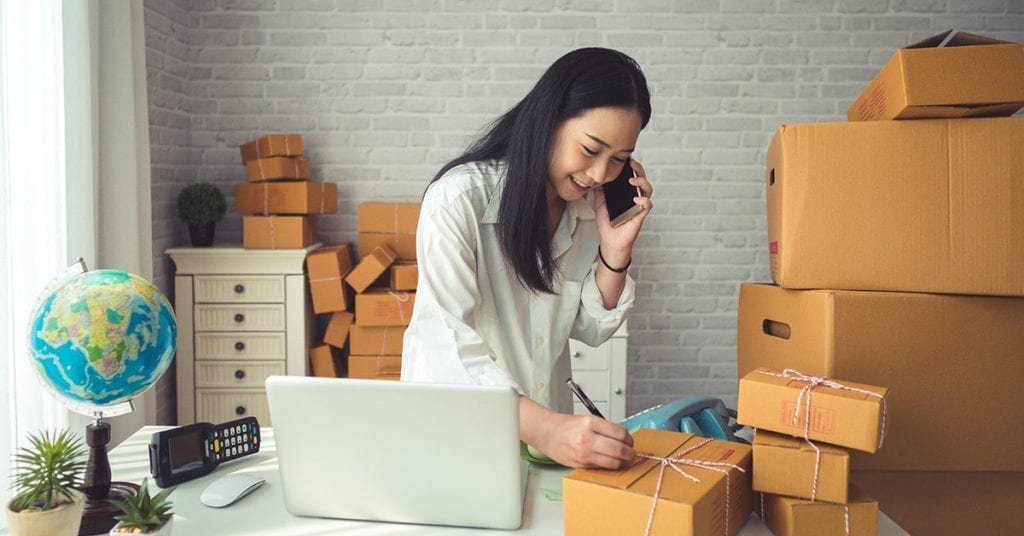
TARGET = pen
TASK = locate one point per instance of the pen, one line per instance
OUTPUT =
(576, 390)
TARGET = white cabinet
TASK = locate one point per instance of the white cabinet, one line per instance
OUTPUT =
(242, 315)
(601, 373)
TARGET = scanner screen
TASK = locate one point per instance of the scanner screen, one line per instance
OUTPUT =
(185, 452)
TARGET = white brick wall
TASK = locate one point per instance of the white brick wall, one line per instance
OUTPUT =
(385, 95)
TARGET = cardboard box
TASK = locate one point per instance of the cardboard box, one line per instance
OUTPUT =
(276, 168)
(377, 217)
(939, 503)
(376, 340)
(404, 244)
(326, 362)
(785, 465)
(852, 416)
(953, 74)
(272, 145)
(326, 268)
(914, 206)
(790, 516)
(384, 307)
(404, 276)
(372, 367)
(289, 197)
(371, 268)
(620, 502)
(949, 362)
(338, 329)
(278, 232)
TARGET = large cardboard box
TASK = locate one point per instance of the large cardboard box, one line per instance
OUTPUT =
(621, 502)
(272, 145)
(384, 307)
(404, 276)
(326, 362)
(404, 244)
(849, 416)
(373, 367)
(278, 232)
(287, 197)
(785, 465)
(376, 340)
(790, 516)
(326, 268)
(371, 268)
(375, 217)
(925, 206)
(952, 364)
(339, 329)
(937, 503)
(276, 168)
(953, 74)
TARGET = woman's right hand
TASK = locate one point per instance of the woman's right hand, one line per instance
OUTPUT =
(575, 440)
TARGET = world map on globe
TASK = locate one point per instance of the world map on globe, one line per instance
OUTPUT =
(102, 337)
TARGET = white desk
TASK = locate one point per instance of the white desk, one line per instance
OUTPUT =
(263, 514)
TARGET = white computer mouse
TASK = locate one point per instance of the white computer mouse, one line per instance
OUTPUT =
(226, 490)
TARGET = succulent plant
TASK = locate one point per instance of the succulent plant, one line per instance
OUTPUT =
(49, 472)
(201, 203)
(140, 511)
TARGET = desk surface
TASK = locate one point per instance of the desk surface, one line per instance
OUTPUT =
(263, 512)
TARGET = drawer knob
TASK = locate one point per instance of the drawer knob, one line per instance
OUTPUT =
(239, 288)
(577, 355)
(239, 346)
(618, 391)
(239, 318)
(239, 374)
(240, 410)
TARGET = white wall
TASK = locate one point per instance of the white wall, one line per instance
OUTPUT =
(385, 95)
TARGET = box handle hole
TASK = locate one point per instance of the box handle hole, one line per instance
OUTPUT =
(773, 328)
(771, 177)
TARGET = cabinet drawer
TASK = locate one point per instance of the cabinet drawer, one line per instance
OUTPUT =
(240, 346)
(239, 289)
(222, 405)
(585, 357)
(593, 382)
(241, 317)
(236, 374)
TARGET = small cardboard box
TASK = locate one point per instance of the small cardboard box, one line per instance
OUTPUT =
(785, 465)
(953, 74)
(404, 244)
(272, 145)
(790, 516)
(850, 417)
(326, 268)
(377, 217)
(339, 329)
(384, 307)
(948, 502)
(288, 197)
(325, 361)
(376, 340)
(372, 367)
(277, 168)
(910, 206)
(371, 268)
(404, 276)
(620, 502)
(278, 232)
(927, 348)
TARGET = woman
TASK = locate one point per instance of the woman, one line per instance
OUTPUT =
(516, 253)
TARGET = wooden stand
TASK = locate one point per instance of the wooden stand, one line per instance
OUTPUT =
(98, 517)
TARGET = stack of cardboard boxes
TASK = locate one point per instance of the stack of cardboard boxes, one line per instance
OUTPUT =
(371, 301)
(279, 201)
(898, 251)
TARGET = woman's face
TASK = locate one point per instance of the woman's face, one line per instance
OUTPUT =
(591, 149)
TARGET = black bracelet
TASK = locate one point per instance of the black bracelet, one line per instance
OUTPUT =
(605, 263)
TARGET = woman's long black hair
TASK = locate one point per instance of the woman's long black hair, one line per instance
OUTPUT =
(581, 80)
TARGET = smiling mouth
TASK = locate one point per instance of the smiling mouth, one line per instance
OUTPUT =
(579, 186)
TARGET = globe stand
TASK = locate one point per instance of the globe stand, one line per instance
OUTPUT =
(98, 517)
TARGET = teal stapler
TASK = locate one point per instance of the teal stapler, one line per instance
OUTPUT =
(700, 415)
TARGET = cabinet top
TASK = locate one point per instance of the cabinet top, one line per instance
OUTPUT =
(236, 260)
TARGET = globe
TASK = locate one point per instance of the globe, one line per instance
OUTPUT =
(101, 338)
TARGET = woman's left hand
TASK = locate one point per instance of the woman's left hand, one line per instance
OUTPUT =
(619, 240)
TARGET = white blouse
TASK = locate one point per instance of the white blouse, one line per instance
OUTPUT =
(474, 322)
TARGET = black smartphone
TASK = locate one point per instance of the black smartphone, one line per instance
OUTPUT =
(619, 194)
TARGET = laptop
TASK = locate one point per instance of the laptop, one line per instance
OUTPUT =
(376, 450)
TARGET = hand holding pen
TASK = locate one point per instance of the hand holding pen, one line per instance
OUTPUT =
(583, 398)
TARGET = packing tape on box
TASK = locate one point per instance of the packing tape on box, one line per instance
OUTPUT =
(401, 297)
(384, 341)
(679, 459)
(812, 382)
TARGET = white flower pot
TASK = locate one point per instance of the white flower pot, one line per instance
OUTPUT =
(61, 521)
(164, 530)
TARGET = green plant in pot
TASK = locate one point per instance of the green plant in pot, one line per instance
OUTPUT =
(142, 514)
(201, 205)
(47, 486)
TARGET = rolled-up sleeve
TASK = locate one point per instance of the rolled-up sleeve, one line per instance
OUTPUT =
(594, 324)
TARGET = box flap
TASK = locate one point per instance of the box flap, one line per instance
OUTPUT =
(656, 442)
(782, 441)
(955, 38)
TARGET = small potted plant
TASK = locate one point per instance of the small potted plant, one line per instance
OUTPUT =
(142, 514)
(47, 486)
(201, 205)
